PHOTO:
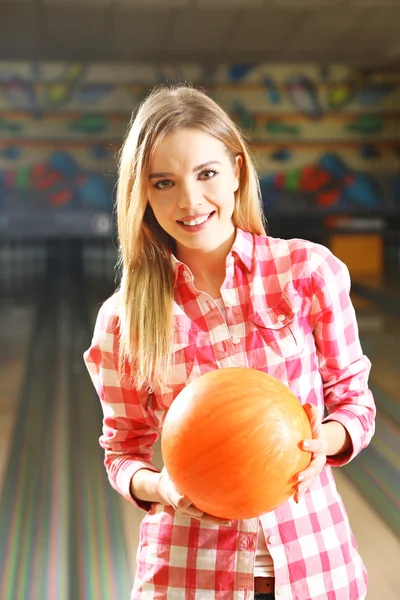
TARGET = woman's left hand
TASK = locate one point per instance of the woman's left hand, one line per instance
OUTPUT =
(317, 446)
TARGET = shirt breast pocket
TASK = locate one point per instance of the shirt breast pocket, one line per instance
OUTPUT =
(278, 327)
(182, 357)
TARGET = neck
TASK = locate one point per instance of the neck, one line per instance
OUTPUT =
(208, 267)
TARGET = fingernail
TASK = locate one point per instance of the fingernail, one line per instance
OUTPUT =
(300, 478)
(306, 444)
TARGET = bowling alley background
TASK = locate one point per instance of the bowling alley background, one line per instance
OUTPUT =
(327, 145)
(326, 139)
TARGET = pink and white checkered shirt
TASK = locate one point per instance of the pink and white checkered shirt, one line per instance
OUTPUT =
(288, 314)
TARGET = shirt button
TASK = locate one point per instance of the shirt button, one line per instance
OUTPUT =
(236, 340)
(281, 317)
(272, 539)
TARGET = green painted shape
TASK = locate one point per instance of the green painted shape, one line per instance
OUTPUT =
(367, 124)
(292, 180)
(277, 128)
(10, 126)
(90, 124)
(23, 178)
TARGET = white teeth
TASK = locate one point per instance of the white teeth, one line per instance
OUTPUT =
(197, 221)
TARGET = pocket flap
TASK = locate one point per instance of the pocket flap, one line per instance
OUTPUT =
(279, 315)
(183, 338)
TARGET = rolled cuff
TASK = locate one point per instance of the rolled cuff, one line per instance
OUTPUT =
(359, 437)
(123, 481)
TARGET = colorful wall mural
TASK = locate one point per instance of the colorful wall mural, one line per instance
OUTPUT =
(326, 140)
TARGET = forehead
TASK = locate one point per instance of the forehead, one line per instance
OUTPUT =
(188, 146)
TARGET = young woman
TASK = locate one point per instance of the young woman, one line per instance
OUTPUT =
(203, 287)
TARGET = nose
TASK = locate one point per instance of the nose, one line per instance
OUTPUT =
(189, 195)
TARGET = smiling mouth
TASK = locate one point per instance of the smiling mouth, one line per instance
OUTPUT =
(197, 221)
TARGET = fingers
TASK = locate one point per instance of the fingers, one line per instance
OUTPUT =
(179, 501)
(307, 477)
(181, 504)
(314, 468)
(191, 511)
(313, 415)
(317, 448)
(186, 509)
(215, 520)
(302, 488)
(318, 443)
(184, 506)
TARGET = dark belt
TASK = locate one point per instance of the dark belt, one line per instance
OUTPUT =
(264, 585)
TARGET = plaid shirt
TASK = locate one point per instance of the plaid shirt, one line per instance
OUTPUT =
(289, 315)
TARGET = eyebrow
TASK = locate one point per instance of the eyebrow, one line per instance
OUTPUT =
(195, 169)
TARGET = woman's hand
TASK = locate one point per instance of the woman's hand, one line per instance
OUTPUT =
(317, 446)
(170, 496)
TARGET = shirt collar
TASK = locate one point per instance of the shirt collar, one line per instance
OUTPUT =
(243, 248)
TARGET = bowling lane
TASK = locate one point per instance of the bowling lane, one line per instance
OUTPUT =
(380, 335)
(376, 471)
(378, 545)
(101, 556)
(62, 519)
(370, 484)
(99, 275)
(16, 326)
(22, 267)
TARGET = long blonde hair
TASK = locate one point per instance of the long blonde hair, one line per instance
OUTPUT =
(146, 290)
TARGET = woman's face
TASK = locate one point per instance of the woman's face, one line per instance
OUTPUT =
(191, 189)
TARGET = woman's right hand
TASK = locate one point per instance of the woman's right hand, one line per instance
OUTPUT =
(170, 496)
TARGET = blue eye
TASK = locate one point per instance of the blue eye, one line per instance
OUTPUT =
(164, 184)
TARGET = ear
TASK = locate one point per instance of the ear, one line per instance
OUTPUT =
(237, 168)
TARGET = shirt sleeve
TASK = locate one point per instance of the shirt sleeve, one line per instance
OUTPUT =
(343, 366)
(130, 427)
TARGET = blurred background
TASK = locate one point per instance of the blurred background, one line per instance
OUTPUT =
(315, 86)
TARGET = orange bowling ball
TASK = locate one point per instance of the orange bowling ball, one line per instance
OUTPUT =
(230, 442)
